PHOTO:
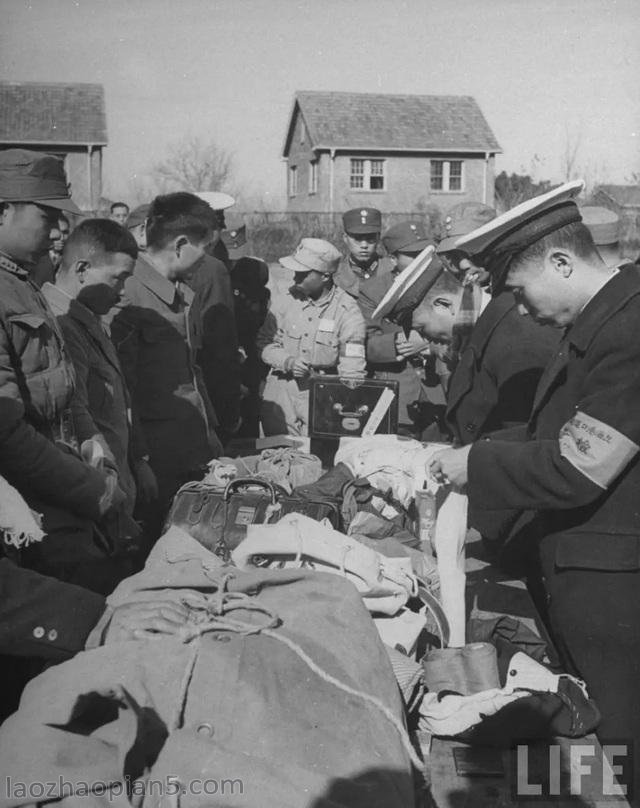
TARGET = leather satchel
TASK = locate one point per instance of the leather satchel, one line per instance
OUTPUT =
(219, 519)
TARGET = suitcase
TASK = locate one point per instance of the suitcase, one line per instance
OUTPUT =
(219, 519)
(337, 410)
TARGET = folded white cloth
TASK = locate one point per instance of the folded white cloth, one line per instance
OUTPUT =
(452, 714)
(298, 541)
(19, 526)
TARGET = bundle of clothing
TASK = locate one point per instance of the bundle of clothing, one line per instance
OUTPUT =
(284, 466)
(378, 478)
(279, 682)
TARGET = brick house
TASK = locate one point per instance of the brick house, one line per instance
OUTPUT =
(392, 152)
(67, 120)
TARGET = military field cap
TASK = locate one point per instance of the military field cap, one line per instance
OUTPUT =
(410, 287)
(235, 238)
(495, 244)
(603, 224)
(462, 219)
(313, 254)
(405, 237)
(216, 199)
(362, 220)
(138, 216)
(27, 176)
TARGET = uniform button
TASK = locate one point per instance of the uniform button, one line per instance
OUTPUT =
(52, 635)
(38, 632)
(205, 729)
(470, 427)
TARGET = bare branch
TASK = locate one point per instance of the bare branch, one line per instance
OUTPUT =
(194, 165)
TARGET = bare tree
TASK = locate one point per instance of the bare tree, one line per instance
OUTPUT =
(193, 164)
(512, 189)
(569, 156)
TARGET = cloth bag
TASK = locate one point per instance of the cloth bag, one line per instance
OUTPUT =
(301, 706)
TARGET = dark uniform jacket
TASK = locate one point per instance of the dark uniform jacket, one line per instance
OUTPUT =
(368, 289)
(36, 386)
(156, 340)
(217, 356)
(576, 464)
(100, 405)
(42, 617)
(494, 382)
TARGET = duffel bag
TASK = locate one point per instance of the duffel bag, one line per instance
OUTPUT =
(219, 519)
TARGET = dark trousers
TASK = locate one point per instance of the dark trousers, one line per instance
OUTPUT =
(595, 620)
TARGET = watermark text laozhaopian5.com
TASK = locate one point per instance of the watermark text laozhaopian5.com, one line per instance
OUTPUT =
(575, 768)
(169, 786)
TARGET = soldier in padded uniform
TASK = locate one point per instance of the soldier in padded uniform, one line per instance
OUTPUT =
(319, 330)
(38, 442)
(576, 463)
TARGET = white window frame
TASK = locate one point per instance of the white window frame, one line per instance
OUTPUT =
(367, 174)
(313, 177)
(293, 180)
(446, 177)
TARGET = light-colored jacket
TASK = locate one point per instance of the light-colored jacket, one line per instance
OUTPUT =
(326, 334)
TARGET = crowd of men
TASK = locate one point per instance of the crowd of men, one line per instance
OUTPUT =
(135, 348)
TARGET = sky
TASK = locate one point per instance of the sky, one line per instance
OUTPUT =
(547, 74)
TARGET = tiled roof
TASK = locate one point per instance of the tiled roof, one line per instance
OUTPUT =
(400, 122)
(622, 194)
(66, 114)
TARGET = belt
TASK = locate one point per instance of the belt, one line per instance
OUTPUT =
(319, 371)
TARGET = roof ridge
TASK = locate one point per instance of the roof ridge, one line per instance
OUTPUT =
(405, 121)
(51, 84)
(385, 95)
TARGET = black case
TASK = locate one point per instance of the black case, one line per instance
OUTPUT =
(337, 410)
(219, 519)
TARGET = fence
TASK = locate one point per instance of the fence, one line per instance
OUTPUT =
(270, 235)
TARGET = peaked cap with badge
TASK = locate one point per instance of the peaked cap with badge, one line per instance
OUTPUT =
(409, 288)
(462, 219)
(359, 221)
(216, 199)
(495, 244)
(406, 237)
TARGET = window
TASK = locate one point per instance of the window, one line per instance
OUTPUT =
(313, 177)
(303, 133)
(447, 175)
(357, 174)
(367, 175)
(293, 180)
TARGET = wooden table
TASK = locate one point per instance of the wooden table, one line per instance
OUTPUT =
(540, 775)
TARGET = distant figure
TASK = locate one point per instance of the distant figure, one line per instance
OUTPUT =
(219, 201)
(119, 212)
(214, 307)
(137, 225)
(249, 278)
(64, 228)
(604, 226)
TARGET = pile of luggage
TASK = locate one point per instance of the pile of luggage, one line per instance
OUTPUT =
(321, 634)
